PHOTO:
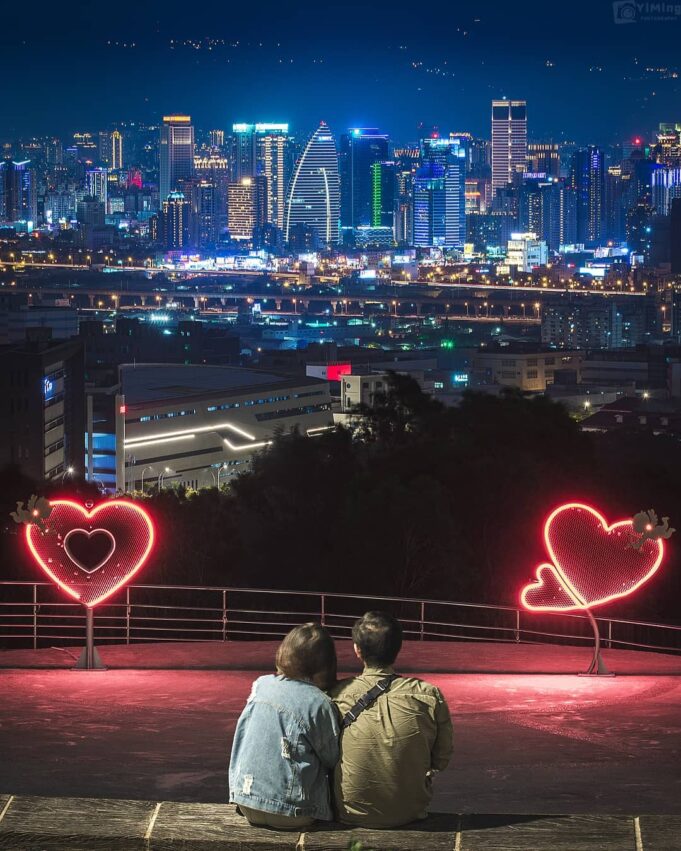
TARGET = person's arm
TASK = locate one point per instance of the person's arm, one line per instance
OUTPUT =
(325, 734)
(442, 747)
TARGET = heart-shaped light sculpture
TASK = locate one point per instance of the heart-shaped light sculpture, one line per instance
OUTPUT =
(592, 563)
(126, 525)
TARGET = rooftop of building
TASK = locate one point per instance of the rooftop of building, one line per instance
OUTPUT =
(154, 382)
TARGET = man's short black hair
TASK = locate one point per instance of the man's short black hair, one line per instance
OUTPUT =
(379, 638)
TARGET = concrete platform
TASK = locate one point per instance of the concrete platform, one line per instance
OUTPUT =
(86, 824)
(540, 743)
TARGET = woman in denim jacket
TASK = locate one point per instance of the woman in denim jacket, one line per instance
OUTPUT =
(286, 740)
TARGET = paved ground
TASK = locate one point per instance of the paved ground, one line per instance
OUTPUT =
(540, 743)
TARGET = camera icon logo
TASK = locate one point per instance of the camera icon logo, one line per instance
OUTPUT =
(625, 12)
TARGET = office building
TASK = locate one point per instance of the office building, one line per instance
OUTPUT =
(200, 425)
(509, 141)
(530, 371)
(383, 184)
(313, 197)
(91, 212)
(440, 205)
(360, 148)
(42, 406)
(246, 207)
(96, 184)
(176, 153)
(217, 139)
(543, 158)
(117, 150)
(264, 150)
(525, 252)
(587, 177)
(675, 235)
(18, 192)
(175, 223)
(214, 169)
(665, 186)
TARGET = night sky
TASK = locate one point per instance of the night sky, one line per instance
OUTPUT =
(84, 66)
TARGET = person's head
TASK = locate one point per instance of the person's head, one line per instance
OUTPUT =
(378, 639)
(308, 653)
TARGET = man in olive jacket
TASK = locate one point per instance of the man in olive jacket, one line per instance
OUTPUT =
(390, 753)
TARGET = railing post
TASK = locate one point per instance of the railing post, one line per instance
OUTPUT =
(517, 625)
(423, 618)
(609, 634)
(224, 614)
(35, 616)
(322, 610)
(127, 615)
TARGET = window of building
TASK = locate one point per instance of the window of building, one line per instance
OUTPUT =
(532, 373)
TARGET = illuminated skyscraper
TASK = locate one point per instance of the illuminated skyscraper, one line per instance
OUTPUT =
(176, 153)
(175, 221)
(217, 138)
(587, 177)
(116, 149)
(543, 158)
(262, 150)
(383, 182)
(18, 195)
(96, 184)
(246, 207)
(313, 197)
(509, 140)
(439, 204)
(360, 148)
(666, 185)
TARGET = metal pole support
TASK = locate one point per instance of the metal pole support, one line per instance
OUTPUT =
(597, 668)
(89, 658)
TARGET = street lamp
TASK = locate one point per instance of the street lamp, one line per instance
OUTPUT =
(144, 470)
(69, 471)
(163, 473)
(222, 467)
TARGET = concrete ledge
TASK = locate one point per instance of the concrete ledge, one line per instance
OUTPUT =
(94, 824)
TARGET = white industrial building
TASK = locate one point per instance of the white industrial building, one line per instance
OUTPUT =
(199, 425)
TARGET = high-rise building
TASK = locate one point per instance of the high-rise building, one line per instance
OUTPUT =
(271, 162)
(526, 252)
(360, 148)
(263, 150)
(96, 184)
(587, 177)
(176, 222)
(313, 197)
(383, 182)
(217, 138)
(675, 235)
(439, 205)
(214, 170)
(18, 193)
(246, 207)
(116, 149)
(543, 158)
(509, 141)
(176, 153)
(666, 185)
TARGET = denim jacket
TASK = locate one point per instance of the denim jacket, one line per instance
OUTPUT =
(285, 743)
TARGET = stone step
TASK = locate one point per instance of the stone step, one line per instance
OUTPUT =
(96, 824)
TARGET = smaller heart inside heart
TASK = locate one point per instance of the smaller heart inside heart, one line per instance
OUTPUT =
(89, 551)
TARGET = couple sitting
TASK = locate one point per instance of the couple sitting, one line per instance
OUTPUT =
(383, 736)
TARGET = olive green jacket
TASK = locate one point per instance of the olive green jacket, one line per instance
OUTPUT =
(389, 754)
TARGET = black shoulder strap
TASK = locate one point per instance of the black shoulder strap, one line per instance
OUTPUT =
(367, 699)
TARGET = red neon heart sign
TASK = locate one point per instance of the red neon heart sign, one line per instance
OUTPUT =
(592, 563)
(131, 535)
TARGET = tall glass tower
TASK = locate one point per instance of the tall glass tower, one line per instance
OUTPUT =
(440, 204)
(509, 140)
(313, 198)
(361, 147)
(176, 153)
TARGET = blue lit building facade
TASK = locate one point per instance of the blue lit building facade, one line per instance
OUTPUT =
(313, 197)
(439, 204)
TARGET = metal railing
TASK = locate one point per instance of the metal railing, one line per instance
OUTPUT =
(35, 614)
